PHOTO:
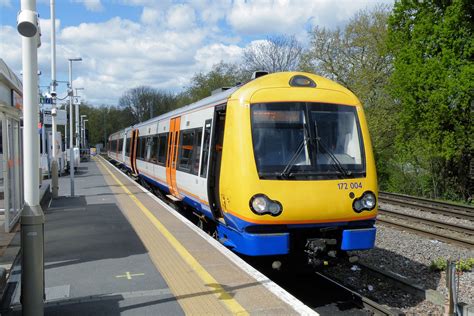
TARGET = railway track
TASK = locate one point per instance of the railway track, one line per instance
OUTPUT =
(336, 294)
(363, 302)
(459, 234)
(467, 242)
(463, 229)
(444, 208)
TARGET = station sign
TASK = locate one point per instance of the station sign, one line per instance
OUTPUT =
(46, 100)
(61, 117)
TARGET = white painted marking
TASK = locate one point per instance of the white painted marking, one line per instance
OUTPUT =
(57, 292)
(281, 293)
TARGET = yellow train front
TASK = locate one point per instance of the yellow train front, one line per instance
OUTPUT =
(295, 170)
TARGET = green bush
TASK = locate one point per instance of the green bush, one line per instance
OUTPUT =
(440, 264)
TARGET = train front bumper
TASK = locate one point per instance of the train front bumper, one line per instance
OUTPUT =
(270, 244)
(358, 239)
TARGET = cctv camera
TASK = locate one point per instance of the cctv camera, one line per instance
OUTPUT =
(27, 23)
(53, 94)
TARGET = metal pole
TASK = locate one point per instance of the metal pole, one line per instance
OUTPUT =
(32, 217)
(78, 141)
(65, 129)
(82, 131)
(71, 145)
(78, 145)
(84, 134)
(54, 163)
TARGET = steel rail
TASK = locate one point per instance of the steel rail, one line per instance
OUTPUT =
(466, 208)
(465, 242)
(459, 212)
(431, 222)
(362, 301)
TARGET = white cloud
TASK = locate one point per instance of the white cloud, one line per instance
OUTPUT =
(180, 17)
(92, 5)
(151, 16)
(210, 55)
(292, 16)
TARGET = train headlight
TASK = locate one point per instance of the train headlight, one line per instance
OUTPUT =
(260, 204)
(366, 202)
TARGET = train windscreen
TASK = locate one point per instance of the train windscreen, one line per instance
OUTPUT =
(301, 140)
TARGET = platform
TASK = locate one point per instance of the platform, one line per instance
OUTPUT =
(117, 249)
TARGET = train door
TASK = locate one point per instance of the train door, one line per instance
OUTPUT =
(133, 151)
(215, 162)
(172, 156)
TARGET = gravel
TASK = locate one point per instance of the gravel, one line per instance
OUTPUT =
(408, 255)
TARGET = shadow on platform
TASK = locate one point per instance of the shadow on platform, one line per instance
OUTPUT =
(78, 232)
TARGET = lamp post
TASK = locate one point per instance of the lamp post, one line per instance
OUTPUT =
(54, 163)
(32, 216)
(84, 134)
(78, 141)
(82, 129)
(71, 145)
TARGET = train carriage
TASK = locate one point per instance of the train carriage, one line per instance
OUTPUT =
(278, 165)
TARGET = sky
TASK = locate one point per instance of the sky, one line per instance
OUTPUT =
(159, 43)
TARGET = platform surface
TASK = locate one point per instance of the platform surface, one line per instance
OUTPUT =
(114, 249)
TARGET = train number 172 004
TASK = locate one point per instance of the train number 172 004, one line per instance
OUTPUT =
(347, 186)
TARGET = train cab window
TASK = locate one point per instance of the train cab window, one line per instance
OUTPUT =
(296, 140)
(162, 147)
(205, 148)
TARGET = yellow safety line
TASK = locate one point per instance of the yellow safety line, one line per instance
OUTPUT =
(232, 305)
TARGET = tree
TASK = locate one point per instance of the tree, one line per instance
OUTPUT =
(278, 53)
(358, 57)
(432, 81)
(221, 75)
(144, 102)
(137, 101)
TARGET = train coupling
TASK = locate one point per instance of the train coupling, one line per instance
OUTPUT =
(320, 250)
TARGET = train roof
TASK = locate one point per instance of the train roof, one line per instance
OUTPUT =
(214, 99)
(280, 79)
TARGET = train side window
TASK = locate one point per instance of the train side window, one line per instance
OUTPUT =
(185, 155)
(153, 149)
(149, 143)
(196, 151)
(162, 147)
(127, 147)
(139, 145)
(205, 148)
(141, 148)
(120, 149)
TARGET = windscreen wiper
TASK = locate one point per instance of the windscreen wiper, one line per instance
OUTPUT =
(291, 163)
(337, 164)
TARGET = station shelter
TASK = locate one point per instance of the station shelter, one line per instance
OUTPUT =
(11, 160)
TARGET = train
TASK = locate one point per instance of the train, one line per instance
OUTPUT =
(281, 166)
